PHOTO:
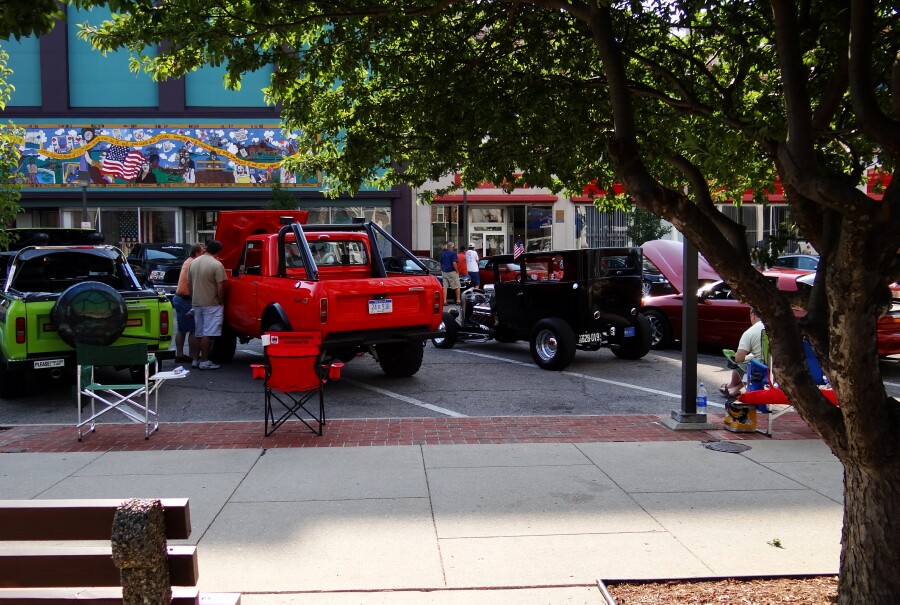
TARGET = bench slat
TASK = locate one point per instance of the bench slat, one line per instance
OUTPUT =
(88, 596)
(79, 519)
(181, 595)
(85, 565)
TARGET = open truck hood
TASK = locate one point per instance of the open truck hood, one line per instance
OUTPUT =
(234, 226)
(668, 256)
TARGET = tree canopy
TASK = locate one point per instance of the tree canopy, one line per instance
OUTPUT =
(684, 102)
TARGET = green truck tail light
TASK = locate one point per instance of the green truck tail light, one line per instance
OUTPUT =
(164, 322)
(20, 330)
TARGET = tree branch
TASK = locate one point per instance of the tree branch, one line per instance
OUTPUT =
(884, 130)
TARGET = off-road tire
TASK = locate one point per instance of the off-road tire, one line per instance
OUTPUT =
(400, 359)
(451, 332)
(638, 345)
(137, 372)
(276, 327)
(91, 313)
(552, 344)
(660, 330)
(12, 384)
(223, 347)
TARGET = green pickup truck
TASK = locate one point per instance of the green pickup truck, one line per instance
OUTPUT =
(55, 297)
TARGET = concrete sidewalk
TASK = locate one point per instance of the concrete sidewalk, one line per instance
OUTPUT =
(476, 524)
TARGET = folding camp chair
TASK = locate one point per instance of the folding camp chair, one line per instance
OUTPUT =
(765, 397)
(294, 376)
(131, 399)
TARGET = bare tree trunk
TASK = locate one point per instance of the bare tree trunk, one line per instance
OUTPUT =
(871, 537)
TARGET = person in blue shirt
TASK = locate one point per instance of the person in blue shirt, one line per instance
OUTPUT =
(450, 270)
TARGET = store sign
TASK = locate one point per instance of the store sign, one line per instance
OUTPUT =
(145, 156)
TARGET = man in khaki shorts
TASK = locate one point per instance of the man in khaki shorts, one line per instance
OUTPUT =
(207, 280)
(450, 270)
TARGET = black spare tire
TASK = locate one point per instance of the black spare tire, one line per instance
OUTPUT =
(90, 313)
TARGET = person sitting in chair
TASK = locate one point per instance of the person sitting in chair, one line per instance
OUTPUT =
(750, 344)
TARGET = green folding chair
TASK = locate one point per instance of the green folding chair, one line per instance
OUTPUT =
(131, 399)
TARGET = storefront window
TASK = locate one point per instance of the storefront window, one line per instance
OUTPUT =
(539, 225)
(444, 228)
(205, 225)
(124, 228)
(596, 229)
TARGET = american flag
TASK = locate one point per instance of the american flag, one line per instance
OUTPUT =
(121, 162)
(518, 249)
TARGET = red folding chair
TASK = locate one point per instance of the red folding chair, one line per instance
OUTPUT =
(294, 376)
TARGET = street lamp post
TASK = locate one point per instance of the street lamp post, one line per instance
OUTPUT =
(84, 179)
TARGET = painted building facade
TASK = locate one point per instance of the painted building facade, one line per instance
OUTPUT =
(147, 161)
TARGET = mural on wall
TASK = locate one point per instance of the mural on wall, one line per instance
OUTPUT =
(172, 156)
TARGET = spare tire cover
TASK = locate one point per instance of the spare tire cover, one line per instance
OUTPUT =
(90, 313)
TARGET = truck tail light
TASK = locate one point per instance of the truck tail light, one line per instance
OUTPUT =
(164, 322)
(323, 310)
(20, 330)
(436, 304)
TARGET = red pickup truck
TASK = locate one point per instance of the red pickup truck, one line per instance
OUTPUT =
(332, 279)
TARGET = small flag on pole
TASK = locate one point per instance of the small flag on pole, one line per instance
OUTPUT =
(122, 162)
(518, 249)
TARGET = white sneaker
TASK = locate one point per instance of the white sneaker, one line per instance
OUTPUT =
(208, 365)
(195, 363)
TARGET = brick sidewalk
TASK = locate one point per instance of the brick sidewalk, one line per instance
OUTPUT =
(371, 432)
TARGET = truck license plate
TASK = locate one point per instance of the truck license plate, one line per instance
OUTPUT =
(158, 275)
(49, 363)
(588, 338)
(629, 332)
(381, 306)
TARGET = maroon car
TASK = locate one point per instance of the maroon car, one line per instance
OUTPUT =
(721, 318)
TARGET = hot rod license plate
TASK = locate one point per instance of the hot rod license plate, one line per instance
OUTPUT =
(381, 306)
(629, 332)
(588, 338)
(158, 275)
(49, 363)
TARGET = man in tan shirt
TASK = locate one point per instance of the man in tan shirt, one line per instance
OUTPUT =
(206, 277)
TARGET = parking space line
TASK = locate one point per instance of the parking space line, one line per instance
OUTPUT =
(406, 399)
(585, 376)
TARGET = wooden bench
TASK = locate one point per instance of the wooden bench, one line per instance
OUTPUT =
(58, 574)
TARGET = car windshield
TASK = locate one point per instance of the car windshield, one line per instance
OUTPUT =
(650, 268)
(54, 271)
(168, 253)
(432, 264)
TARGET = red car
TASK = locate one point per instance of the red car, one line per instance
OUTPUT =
(722, 319)
(509, 271)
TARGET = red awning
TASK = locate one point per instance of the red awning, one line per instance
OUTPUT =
(496, 198)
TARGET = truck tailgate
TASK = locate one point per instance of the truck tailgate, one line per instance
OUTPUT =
(372, 304)
(143, 325)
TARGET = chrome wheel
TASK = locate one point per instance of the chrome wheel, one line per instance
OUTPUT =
(552, 344)
(660, 333)
(546, 345)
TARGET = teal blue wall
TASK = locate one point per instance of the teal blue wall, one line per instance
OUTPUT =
(25, 61)
(98, 81)
(205, 88)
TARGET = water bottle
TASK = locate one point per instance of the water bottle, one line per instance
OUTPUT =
(701, 399)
